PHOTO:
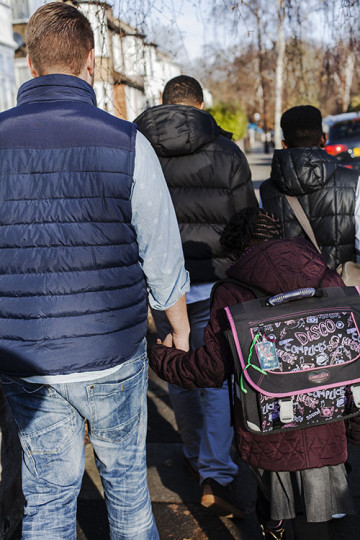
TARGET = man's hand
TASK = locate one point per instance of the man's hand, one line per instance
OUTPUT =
(178, 318)
(181, 341)
(178, 342)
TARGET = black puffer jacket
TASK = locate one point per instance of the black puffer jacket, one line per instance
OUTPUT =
(326, 191)
(208, 177)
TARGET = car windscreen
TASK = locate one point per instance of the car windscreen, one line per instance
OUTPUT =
(345, 130)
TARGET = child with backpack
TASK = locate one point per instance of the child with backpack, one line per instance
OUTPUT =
(300, 473)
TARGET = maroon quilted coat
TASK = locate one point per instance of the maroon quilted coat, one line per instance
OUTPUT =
(274, 266)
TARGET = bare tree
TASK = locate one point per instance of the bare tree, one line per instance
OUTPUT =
(279, 77)
(328, 28)
(256, 10)
(269, 64)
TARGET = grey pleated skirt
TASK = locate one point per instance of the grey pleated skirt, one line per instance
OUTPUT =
(317, 493)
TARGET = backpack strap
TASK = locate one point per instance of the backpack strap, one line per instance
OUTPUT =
(259, 293)
(302, 219)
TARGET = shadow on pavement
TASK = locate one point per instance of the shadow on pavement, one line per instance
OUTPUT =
(160, 428)
(187, 521)
(192, 521)
(175, 493)
(92, 522)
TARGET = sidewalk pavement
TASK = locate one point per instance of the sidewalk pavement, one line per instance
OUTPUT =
(260, 165)
(175, 494)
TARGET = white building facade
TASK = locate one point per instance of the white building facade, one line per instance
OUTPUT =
(130, 73)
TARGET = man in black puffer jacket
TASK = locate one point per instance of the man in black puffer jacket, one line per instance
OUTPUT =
(324, 188)
(209, 179)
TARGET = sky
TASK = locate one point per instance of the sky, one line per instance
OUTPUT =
(198, 27)
(184, 19)
(192, 31)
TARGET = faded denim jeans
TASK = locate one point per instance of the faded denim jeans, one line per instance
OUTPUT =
(51, 423)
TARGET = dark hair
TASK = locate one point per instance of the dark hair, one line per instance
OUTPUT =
(302, 126)
(249, 227)
(59, 36)
(182, 89)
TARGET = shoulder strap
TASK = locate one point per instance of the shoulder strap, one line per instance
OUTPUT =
(302, 219)
(259, 293)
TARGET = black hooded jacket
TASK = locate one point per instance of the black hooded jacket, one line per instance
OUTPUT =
(208, 177)
(325, 190)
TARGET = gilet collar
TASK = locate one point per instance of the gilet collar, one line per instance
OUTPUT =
(57, 87)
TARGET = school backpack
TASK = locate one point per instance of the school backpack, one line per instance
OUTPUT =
(296, 356)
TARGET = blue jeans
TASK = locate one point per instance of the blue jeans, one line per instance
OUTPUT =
(202, 415)
(51, 423)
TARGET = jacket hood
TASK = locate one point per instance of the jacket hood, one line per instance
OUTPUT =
(178, 130)
(277, 266)
(296, 171)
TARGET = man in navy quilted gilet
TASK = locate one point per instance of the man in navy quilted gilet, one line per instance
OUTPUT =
(88, 233)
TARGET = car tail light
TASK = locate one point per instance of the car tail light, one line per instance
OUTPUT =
(335, 149)
(349, 166)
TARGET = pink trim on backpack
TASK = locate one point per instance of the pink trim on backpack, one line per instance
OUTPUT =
(236, 339)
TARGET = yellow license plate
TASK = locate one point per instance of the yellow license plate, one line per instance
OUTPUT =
(356, 152)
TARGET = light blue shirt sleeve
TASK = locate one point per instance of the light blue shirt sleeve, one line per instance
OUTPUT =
(157, 230)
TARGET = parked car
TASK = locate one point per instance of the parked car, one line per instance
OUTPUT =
(343, 131)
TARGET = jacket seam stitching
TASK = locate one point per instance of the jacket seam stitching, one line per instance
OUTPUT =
(77, 270)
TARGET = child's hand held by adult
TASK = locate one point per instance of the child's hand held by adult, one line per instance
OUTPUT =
(167, 341)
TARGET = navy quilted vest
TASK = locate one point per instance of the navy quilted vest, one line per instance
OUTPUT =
(72, 293)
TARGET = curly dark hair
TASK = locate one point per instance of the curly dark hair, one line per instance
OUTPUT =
(249, 227)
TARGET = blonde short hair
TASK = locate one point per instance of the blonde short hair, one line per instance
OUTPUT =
(59, 37)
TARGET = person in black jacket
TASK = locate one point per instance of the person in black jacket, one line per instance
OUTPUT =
(324, 188)
(209, 179)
